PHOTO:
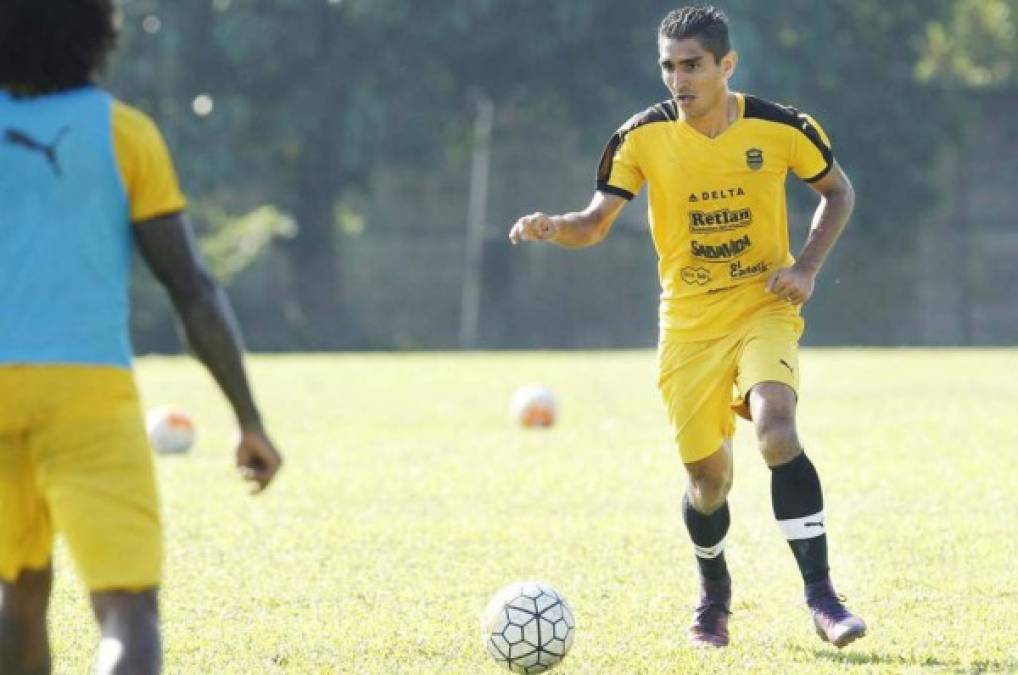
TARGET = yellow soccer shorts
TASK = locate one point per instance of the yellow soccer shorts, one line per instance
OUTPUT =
(704, 384)
(74, 459)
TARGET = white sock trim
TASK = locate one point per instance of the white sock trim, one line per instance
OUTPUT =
(806, 527)
(711, 551)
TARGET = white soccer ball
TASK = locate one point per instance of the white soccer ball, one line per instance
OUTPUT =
(533, 406)
(170, 430)
(528, 627)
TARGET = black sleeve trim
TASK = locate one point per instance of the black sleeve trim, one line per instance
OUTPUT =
(661, 112)
(604, 167)
(820, 175)
(612, 190)
(772, 112)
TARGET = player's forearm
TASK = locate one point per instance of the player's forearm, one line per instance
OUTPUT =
(215, 339)
(579, 229)
(829, 221)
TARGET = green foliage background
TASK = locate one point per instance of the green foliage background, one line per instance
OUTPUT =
(331, 111)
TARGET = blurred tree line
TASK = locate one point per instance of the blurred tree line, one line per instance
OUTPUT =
(324, 141)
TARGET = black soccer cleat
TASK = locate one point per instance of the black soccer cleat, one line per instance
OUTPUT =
(710, 619)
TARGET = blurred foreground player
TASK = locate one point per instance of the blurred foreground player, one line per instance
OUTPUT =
(84, 178)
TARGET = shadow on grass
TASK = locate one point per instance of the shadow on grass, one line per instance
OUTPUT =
(859, 658)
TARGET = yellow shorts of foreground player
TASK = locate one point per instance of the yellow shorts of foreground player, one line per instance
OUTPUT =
(74, 459)
(705, 383)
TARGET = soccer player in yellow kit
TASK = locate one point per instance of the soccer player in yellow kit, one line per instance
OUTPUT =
(714, 162)
(84, 180)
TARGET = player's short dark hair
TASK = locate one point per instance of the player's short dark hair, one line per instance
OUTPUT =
(707, 24)
(52, 45)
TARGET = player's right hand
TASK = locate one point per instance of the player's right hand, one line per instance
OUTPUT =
(535, 227)
(257, 458)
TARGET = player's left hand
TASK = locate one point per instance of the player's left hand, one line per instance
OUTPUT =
(257, 458)
(794, 284)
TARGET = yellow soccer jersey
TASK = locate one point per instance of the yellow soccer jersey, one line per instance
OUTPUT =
(716, 206)
(145, 165)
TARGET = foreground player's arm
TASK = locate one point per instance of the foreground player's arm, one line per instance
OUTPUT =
(168, 246)
(572, 230)
(837, 199)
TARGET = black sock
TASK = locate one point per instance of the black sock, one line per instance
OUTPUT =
(799, 508)
(708, 535)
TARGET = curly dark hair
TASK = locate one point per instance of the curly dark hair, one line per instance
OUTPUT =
(707, 24)
(52, 45)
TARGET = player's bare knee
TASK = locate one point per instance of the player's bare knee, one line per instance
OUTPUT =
(23, 642)
(112, 607)
(28, 596)
(710, 479)
(708, 491)
(129, 624)
(708, 497)
(126, 615)
(779, 442)
(23, 636)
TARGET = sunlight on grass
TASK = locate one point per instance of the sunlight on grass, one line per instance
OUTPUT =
(408, 498)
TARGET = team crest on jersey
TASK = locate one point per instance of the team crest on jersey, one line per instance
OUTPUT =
(754, 158)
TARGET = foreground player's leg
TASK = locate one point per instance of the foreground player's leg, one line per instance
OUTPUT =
(24, 641)
(115, 538)
(798, 505)
(705, 512)
(129, 628)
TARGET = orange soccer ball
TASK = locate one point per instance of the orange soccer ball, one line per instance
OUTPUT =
(170, 430)
(534, 406)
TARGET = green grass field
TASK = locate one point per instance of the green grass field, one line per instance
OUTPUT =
(408, 499)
